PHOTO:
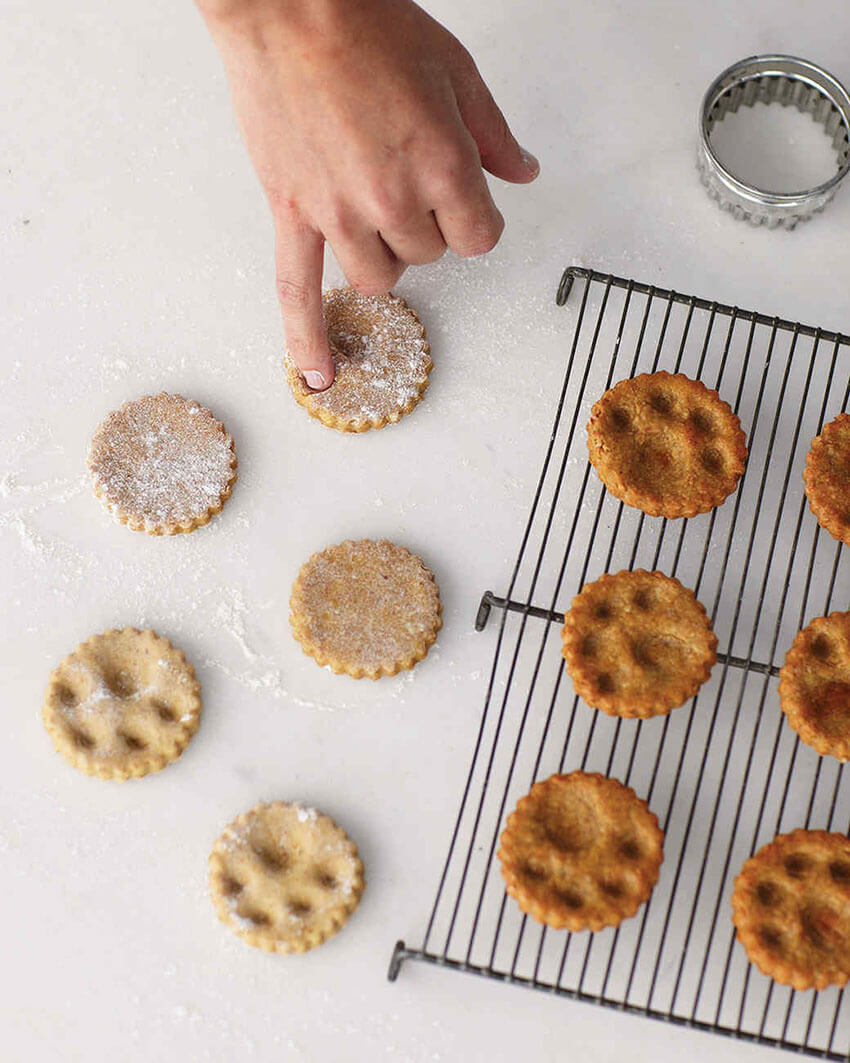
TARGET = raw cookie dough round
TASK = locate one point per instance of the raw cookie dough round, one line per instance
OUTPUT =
(365, 608)
(826, 479)
(123, 704)
(284, 877)
(162, 464)
(382, 362)
(581, 852)
(666, 444)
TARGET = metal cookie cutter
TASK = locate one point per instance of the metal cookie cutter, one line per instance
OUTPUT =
(786, 80)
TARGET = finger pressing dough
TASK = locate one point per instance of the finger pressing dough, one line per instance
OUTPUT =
(382, 361)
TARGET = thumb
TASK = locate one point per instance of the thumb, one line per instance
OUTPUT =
(500, 153)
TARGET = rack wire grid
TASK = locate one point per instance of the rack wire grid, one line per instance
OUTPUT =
(724, 773)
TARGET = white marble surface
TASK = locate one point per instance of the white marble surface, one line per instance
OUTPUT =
(136, 256)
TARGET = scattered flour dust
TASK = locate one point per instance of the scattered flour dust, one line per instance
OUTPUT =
(39, 547)
(261, 673)
(225, 606)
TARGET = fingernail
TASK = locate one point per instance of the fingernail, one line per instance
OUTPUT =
(315, 379)
(531, 163)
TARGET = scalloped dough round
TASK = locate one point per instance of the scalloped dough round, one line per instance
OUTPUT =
(382, 362)
(365, 608)
(123, 704)
(162, 464)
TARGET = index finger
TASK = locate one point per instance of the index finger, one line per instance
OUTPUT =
(299, 261)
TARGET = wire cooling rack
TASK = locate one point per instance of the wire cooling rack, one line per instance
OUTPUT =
(724, 773)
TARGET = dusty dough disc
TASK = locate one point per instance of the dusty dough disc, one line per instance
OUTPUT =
(365, 608)
(382, 362)
(162, 464)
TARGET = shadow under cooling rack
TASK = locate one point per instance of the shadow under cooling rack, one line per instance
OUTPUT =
(724, 773)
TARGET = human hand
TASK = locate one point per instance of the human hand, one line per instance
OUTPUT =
(368, 125)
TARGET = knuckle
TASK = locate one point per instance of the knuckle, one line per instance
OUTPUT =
(447, 182)
(292, 294)
(390, 208)
(298, 347)
(338, 223)
(453, 171)
(281, 202)
(377, 280)
(372, 284)
(424, 256)
(480, 238)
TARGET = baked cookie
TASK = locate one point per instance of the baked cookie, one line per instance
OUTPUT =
(162, 464)
(285, 878)
(581, 852)
(827, 478)
(365, 608)
(814, 685)
(382, 361)
(791, 909)
(666, 444)
(637, 643)
(123, 704)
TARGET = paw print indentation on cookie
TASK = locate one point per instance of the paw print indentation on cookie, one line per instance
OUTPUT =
(825, 478)
(666, 444)
(285, 878)
(123, 704)
(637, 644)
(814, 685)
(792, 912)
(580, 852)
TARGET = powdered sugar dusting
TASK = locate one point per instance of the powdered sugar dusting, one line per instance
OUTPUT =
(162, 461)
(381, 356)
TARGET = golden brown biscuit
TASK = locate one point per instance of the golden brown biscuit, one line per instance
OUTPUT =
(814, 685)
(365, 608)
(123, 704)
(637, 643)
(827, 478)
(284, 877)
(382, 361)
(791, 909)
(162, 464)
(581, 852)
(666, 444)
